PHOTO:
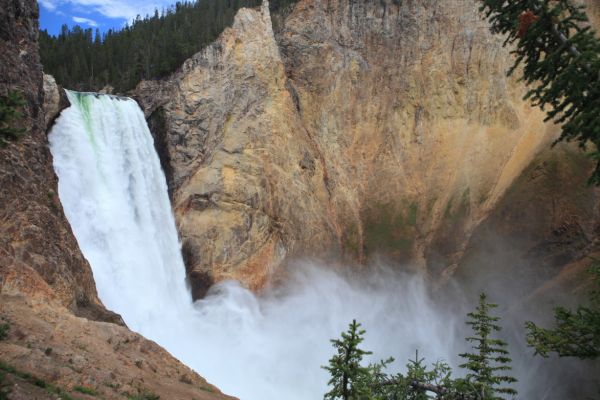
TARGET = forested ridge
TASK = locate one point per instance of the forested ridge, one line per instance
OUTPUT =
(149, 48)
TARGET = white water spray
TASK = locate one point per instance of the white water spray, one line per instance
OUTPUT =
(258, 348)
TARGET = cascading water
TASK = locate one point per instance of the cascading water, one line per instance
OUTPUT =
(115, 196)
(258, 348)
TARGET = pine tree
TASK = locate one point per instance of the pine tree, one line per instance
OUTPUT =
(489, 362)
(560, 56)
(349, 379)
(577, 333)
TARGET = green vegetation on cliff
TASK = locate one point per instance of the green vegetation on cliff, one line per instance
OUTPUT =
(10, 115)
(148, 48)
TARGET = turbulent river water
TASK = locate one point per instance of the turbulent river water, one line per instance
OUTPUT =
(255, 347)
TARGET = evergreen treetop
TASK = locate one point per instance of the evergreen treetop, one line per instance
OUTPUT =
(349, 379)
(489, 360)
(486, 378)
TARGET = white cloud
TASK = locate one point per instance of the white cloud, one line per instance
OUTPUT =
(127, 9)
(123, 9)
(87, 21)
(49, 5)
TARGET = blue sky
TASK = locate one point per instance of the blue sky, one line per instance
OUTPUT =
(101, 14)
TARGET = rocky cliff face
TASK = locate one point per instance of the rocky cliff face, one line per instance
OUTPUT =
(418, 116)
(47, 292)
(361, 129)
(541, 231)
(249, 183)
(35, 237)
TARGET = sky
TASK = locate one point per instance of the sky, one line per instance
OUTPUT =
(101, 14)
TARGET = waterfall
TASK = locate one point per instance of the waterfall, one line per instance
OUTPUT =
(115, 197)
(256, 347)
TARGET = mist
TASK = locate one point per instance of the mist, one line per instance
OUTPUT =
(273, 346)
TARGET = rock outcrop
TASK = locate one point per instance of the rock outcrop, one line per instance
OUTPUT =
(59, 331)
(361, 129)
(249, 184)
(547, 220)
(56, 347)
(55, 100)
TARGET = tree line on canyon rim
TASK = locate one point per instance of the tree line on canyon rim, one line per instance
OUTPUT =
(150, 47)
(487, 365)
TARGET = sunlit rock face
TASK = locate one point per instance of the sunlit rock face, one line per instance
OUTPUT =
(422, 129)
(360, 129)
(249, 185)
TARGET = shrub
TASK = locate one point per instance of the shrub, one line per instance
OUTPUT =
(85, 390)
(10, 115)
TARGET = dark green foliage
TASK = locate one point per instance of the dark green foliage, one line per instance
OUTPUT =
(577, 333)
(4, 329)
(489, 361)
(560, 56)
(277, 5)
(39, 383)
(85, 390)
(349, 379)
(419, 383)
(149, 48)
(7, 368)
(10, 115)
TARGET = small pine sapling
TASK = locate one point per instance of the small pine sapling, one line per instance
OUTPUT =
(349, 379)
(488, 364)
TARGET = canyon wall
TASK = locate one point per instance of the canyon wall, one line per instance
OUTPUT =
(36, 242)
(249, 183)
(360, 130)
